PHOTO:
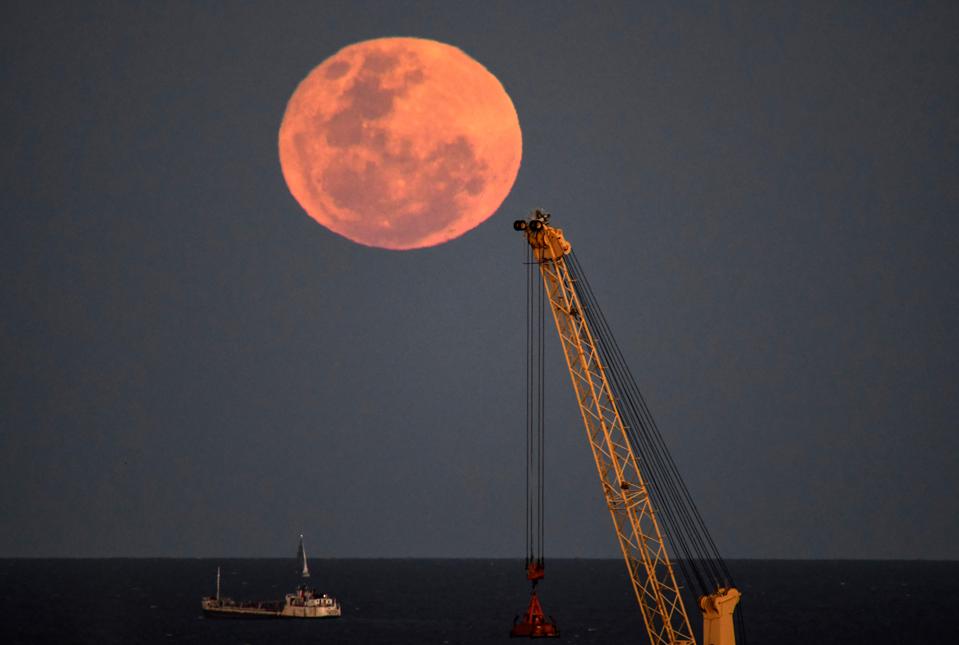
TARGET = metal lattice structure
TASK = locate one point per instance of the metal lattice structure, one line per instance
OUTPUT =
(624, 488)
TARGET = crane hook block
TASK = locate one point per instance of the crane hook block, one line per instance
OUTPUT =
(534, 623)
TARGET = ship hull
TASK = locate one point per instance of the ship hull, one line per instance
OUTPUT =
(221, 614)
(213, 610)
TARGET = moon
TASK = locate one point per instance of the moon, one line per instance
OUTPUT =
(400, 143)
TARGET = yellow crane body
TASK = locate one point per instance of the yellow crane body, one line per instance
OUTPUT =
(624, 488)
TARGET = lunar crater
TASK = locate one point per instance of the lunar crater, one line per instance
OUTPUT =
(337, 69)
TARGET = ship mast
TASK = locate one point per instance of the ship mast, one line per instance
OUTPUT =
(301, 555)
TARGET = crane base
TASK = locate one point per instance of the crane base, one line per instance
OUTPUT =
(534, 623)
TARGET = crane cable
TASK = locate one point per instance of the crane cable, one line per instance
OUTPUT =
(651, 469)
(683, 524)
(686, 531)
(529, 400)
(535, 411)
(542, 419)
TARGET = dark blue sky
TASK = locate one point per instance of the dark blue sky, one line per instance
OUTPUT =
(764, 197)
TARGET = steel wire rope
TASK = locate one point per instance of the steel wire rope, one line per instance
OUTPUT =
(535, 410)
(680, 530)
(542, 414)
(692, 567)
(678, 544)
(701, 534)
(529, 402)
(678, 516)
(683, 518)
(653, 469)
(624, 381)
(603, 324)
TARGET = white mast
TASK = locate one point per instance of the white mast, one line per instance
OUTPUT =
(301, 553)
(218, 584)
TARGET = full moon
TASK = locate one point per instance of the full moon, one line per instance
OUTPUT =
(400, 143)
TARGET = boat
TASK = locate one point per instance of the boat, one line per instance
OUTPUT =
(304, 602)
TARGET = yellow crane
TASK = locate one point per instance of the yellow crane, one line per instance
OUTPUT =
(650, 506)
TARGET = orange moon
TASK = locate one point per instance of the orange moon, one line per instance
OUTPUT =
(400, 143)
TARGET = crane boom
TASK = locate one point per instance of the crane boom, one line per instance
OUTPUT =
(624, 486)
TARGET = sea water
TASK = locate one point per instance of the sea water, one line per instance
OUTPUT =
(401, 602)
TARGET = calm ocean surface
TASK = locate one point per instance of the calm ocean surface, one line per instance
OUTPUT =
(460, 601)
